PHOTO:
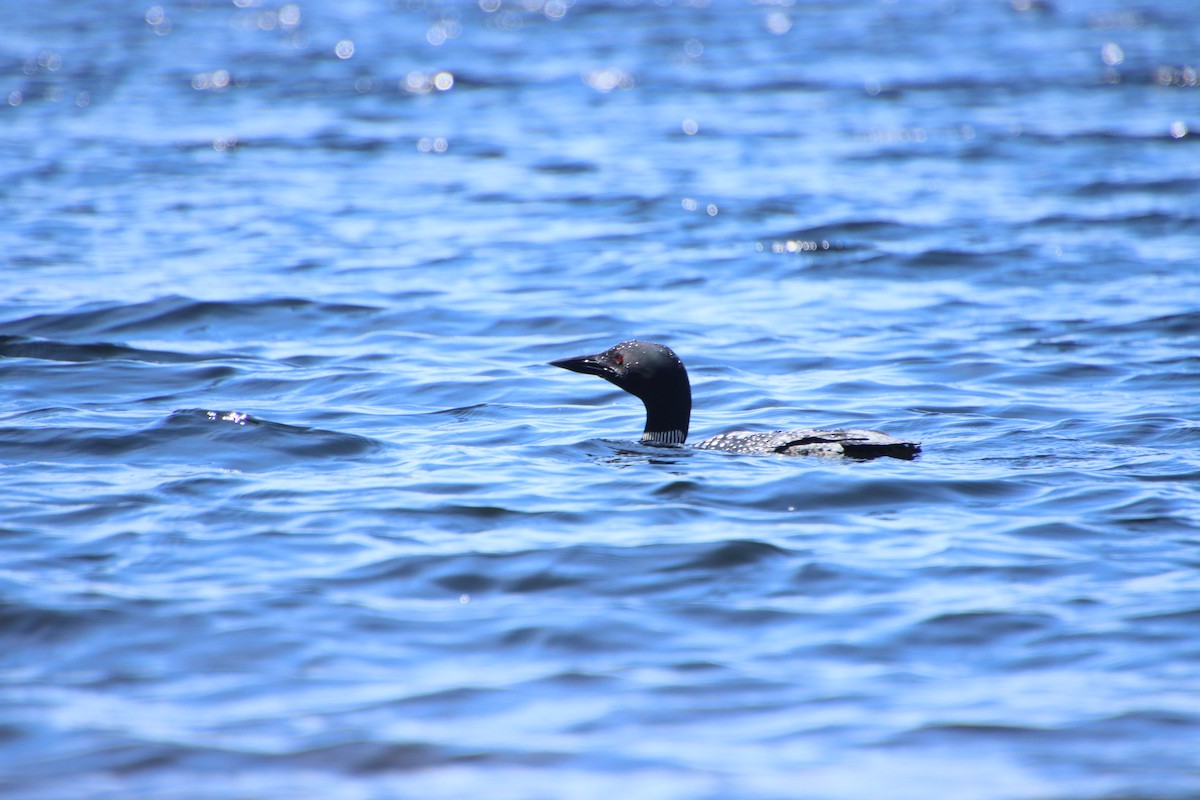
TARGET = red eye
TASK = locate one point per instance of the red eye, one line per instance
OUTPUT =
(620, 359)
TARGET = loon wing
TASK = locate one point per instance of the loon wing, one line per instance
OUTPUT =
(853, 443)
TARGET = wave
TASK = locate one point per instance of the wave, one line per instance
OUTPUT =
(173, 312)
(225, 439)
(50, 350)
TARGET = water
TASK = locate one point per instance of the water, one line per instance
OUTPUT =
(428, 565)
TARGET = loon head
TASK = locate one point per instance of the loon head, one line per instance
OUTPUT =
(652, 373)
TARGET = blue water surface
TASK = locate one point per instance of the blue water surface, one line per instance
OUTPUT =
(293, 506)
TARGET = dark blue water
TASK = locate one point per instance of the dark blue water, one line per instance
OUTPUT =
(293, 507)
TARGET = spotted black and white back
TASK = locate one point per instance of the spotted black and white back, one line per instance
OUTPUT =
(809, 441)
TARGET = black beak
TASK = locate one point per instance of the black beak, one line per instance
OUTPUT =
(588, 365)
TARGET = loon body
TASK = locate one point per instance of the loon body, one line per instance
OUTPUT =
(655, 375)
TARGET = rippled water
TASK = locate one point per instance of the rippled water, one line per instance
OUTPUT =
(293, 506)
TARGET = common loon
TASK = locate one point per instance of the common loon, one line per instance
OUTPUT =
(654, 374)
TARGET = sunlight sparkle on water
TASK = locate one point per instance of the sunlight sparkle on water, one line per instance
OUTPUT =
(215, 80)
(606, 80)
(778, 23)
(417, 82)
(433, 144)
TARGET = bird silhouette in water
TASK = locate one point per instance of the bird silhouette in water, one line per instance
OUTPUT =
(655, 375)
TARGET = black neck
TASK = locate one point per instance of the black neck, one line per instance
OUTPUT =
(667, 415)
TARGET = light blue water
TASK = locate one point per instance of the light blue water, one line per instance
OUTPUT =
(429, 565)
